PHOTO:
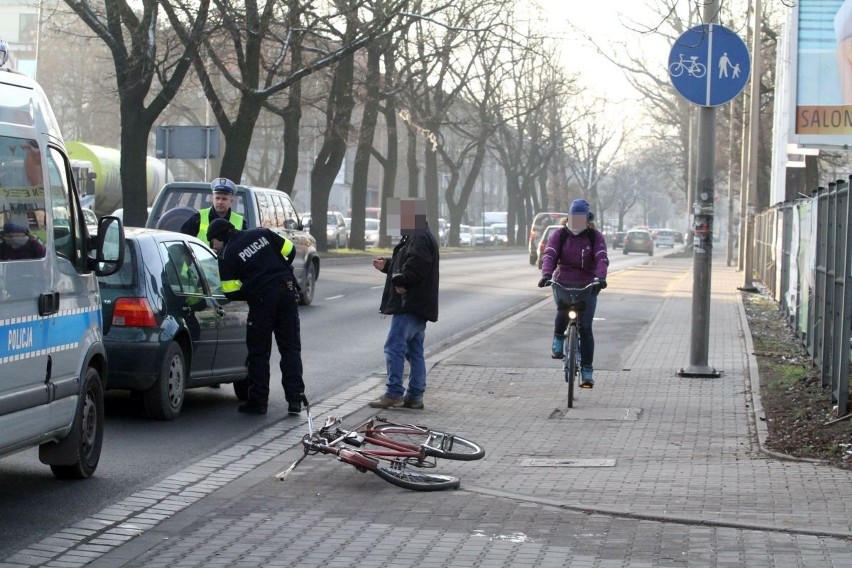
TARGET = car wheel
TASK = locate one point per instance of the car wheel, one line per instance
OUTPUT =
(164, 400)
(306, 295)
(88, 431)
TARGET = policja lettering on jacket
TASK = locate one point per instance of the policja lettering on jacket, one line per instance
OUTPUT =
(253, 248)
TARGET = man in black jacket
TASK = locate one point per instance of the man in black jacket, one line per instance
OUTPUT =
(254, 265)
(411, 298)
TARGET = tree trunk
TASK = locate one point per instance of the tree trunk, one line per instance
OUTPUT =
(330, 157)
(363, 152)
(133, 164)
(238, 139)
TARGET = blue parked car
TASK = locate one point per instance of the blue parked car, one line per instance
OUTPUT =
(167, 325)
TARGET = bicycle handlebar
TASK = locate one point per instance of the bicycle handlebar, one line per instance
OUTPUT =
(593, 284)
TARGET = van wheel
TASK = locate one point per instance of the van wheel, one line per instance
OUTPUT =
(306, 295)
(88, 430)
(164, 400)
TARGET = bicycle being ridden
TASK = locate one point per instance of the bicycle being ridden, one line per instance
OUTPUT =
(575, 257)
(572, 302)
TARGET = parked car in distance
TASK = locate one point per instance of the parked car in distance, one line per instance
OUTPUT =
(443, 232)
(638, 240)
(501, 235)
(260, 206)
(618, 239)
(371, 232)
(665, 238)
(465, 236)
(336, 231)
(482, 236)
(540, 221)
(167, 325)
(542, 242)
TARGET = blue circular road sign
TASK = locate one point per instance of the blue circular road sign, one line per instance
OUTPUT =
(709, 65)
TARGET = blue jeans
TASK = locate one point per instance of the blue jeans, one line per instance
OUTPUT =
(405, 342)
(587, 338)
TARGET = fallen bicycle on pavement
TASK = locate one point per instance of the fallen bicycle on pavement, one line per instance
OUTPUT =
(398, 453)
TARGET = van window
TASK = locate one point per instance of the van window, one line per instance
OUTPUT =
(22, 200)
(66, 233)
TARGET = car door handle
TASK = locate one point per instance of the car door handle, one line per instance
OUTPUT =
(220, 312)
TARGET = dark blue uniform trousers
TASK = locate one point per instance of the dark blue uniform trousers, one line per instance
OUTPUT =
(274, 311)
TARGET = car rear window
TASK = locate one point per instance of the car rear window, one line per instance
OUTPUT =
(126, 275)
(197, 198)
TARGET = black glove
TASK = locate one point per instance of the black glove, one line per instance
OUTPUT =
(601, 284)
(545, 281)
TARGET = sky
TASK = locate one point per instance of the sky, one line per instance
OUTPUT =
(604, 22)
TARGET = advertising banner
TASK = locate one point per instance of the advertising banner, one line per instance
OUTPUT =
(822, 67)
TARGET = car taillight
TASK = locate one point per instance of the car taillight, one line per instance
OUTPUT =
(133, 312)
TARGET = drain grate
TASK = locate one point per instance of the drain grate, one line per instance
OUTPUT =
(566, 462)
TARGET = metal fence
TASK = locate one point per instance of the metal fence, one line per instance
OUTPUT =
(802, 254)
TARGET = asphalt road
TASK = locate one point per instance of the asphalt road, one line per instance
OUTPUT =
(342, 334)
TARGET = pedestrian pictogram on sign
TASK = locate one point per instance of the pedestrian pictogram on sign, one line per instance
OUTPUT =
(709, 65)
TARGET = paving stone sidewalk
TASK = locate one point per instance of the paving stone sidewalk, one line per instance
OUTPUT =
(648, 469)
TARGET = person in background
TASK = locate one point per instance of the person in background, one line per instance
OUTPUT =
(255, 265)
(410, 297)
(19, 243)
(222, 198)
(575, 256)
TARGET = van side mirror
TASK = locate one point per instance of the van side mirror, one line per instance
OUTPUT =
(110, 246)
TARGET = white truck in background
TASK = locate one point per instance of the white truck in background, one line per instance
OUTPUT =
(52, 359)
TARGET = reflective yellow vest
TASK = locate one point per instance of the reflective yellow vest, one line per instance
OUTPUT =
(204, 214)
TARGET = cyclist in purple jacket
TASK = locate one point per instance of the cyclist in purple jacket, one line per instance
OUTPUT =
(575, 256)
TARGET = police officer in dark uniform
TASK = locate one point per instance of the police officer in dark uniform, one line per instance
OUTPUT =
(255, 265)
(222, 199)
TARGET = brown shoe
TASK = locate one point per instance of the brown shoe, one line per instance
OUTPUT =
(415, 404)
(385, 402)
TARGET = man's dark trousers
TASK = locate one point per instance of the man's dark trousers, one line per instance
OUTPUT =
(274, 311)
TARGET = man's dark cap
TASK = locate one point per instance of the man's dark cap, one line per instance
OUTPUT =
(219, 229)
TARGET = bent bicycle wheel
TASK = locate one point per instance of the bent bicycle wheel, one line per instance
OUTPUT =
(438, 444)
(571, 358)
(415, 480)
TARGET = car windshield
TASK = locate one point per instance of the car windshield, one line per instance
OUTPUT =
(371, 224)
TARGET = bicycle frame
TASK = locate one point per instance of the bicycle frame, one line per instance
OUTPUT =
(395, 447)
(572, 300)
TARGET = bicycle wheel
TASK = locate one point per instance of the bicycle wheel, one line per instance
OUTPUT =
(571, 366)
(438, 444)
(415, 480)
(676, 69)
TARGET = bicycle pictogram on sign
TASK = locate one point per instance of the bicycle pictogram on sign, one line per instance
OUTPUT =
(709, 65)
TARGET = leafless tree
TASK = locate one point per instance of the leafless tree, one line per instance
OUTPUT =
(144, 55)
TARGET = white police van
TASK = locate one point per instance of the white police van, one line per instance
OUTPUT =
(52, 358)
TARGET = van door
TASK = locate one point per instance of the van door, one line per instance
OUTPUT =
(75, 325)
(25, 276)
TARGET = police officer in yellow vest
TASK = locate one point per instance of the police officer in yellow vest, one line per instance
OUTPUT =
(255, 266)
(222, 199)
